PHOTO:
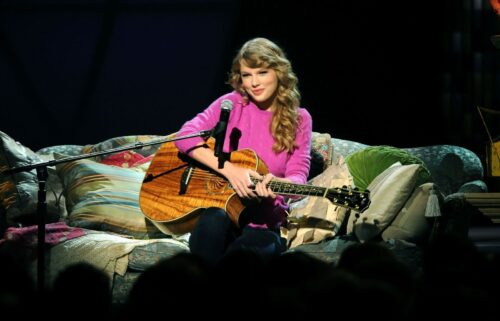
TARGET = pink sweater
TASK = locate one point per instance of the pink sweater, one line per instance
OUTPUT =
(249, 127)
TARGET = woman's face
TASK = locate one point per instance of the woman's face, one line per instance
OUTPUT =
(260, 84)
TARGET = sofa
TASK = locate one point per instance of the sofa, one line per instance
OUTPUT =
(93, 212)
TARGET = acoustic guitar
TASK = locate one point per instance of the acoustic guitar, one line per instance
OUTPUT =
(176, 188)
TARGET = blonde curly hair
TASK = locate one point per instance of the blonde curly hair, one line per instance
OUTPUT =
(263, 53)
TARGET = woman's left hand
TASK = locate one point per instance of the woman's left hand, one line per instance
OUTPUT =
(261, 188)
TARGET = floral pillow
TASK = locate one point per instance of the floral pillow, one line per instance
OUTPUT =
(322, 144)
(125, 159)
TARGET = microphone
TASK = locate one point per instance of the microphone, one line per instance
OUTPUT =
(219, 132)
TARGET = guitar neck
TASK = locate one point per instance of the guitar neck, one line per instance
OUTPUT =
(297, 189)
(342, 196)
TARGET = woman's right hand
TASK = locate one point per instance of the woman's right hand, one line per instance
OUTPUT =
(240, 180)
(238, 177)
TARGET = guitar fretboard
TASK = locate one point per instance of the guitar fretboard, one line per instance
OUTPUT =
(295, 189)
(344, 196)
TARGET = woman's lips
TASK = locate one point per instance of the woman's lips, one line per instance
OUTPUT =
(257, 91)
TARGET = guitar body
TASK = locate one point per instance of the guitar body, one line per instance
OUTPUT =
(176, 188)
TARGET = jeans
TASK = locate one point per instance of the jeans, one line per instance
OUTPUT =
(214, 235)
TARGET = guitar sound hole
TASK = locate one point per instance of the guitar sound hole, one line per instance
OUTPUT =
(216, 186)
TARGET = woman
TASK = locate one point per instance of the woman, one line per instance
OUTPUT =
(266, 118)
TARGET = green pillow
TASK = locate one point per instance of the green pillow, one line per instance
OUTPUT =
(364, 165)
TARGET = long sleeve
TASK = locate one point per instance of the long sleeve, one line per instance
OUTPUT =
(249, 128)
(299, 163)
(206, 120)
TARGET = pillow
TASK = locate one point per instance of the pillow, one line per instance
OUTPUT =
(144, 163)
(367, 163)
(411, 223)
(313, 219)
(321, 143)
(19, 191)
(125, 159)
(106, 198)
(389, 192)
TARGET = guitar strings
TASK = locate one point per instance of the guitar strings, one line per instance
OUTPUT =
(201, 174)
(348, 197)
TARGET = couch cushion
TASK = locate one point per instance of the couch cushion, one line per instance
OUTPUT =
(389, 192)
(346, 147)
(106, 198)
(367, 163)
(451, 166)
(69, 150)
(19, 191)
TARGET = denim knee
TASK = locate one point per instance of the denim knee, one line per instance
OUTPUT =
(265, 242)
(211, 235)
(214, 216)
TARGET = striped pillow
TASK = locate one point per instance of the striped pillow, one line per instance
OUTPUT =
(106, 198)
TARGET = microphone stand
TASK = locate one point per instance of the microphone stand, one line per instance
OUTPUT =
(42, 175)
(219, 132)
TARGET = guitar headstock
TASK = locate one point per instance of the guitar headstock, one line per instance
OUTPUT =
(349, 197)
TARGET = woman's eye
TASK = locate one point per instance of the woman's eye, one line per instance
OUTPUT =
(263, 72)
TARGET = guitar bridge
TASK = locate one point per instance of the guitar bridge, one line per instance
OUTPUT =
(186, 176)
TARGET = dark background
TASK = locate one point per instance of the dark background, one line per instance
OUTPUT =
(401, 73)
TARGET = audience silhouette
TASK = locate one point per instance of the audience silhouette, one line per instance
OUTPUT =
(83, 289)
(455, 280)
(17, 287)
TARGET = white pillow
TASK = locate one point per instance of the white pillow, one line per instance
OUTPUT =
(410, 223)
(373, 188)
(389, 192)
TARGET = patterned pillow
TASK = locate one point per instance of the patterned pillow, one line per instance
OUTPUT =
(19, 191)
(321, 143)
(125, 159)
(314, 219)
(106, 198)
